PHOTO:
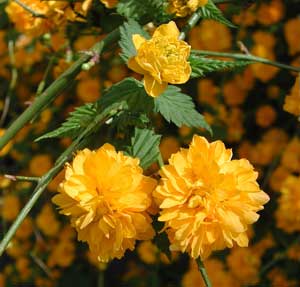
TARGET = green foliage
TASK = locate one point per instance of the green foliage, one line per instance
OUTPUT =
(145, 146)
(211, 11)
(128, 94)
(179, 108)
(131, 92)
(126, 119)
(144, 11)
(202, 65)
(126, 31)
(75, 123)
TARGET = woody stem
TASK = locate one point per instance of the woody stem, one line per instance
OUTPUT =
(56, 88)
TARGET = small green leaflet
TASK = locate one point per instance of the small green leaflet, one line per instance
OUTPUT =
(211, 11)
(126, 31)
(144, 11)
(145, 146)
(202, 65)
(78, 120)
(179, 108)
(130, 91)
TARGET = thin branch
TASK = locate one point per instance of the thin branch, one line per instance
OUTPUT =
(22, 178)
(13, 82)
(239, 56)
(55, 89)
(30, 10)
(42, 265)
(42, 84)
(203, 272)
(80, 142)
(192, 21)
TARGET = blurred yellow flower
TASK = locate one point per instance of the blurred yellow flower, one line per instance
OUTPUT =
(109, 3)
(162, 59)
(292, 34)
(107, 196)
(208, 200)
(11, 206)
(249, 260)
(265, 116)
(182, 8)
(291, 102)
(287, 213)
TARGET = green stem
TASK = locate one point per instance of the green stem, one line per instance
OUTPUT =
(13, 82)
(45, 179)
(160, 161)
(30, 10)
(192, 21)
(238, 56)
(101, 282)
(55, 88)
(45, 77)
(203, 273)
(22, 178)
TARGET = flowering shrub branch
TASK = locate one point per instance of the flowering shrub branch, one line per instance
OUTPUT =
(128, 185)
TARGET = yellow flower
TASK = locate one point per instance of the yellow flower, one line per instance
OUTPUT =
(291, 102)
(107, 196)
(182, 8)
(162, 59)
(207, 199)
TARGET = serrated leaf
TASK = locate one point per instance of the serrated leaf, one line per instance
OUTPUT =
(211, 11)
(202, 65)
(75, 123)
(179, 108)
(145, 146)
(126, 31)
(132, 93)
(144, 11)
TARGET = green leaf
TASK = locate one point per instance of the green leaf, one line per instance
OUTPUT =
(202, 65)
(132, 93)
(126, 119)
(145, 146)
(144, 11)
(128, 94)
(211, 11)
(126, 31)
(75, 124)
(179, 108)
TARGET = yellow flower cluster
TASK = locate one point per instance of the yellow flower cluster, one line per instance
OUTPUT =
(49, 15)
(207, 199)
(107, 196)
(182, 8)
(162, 59)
